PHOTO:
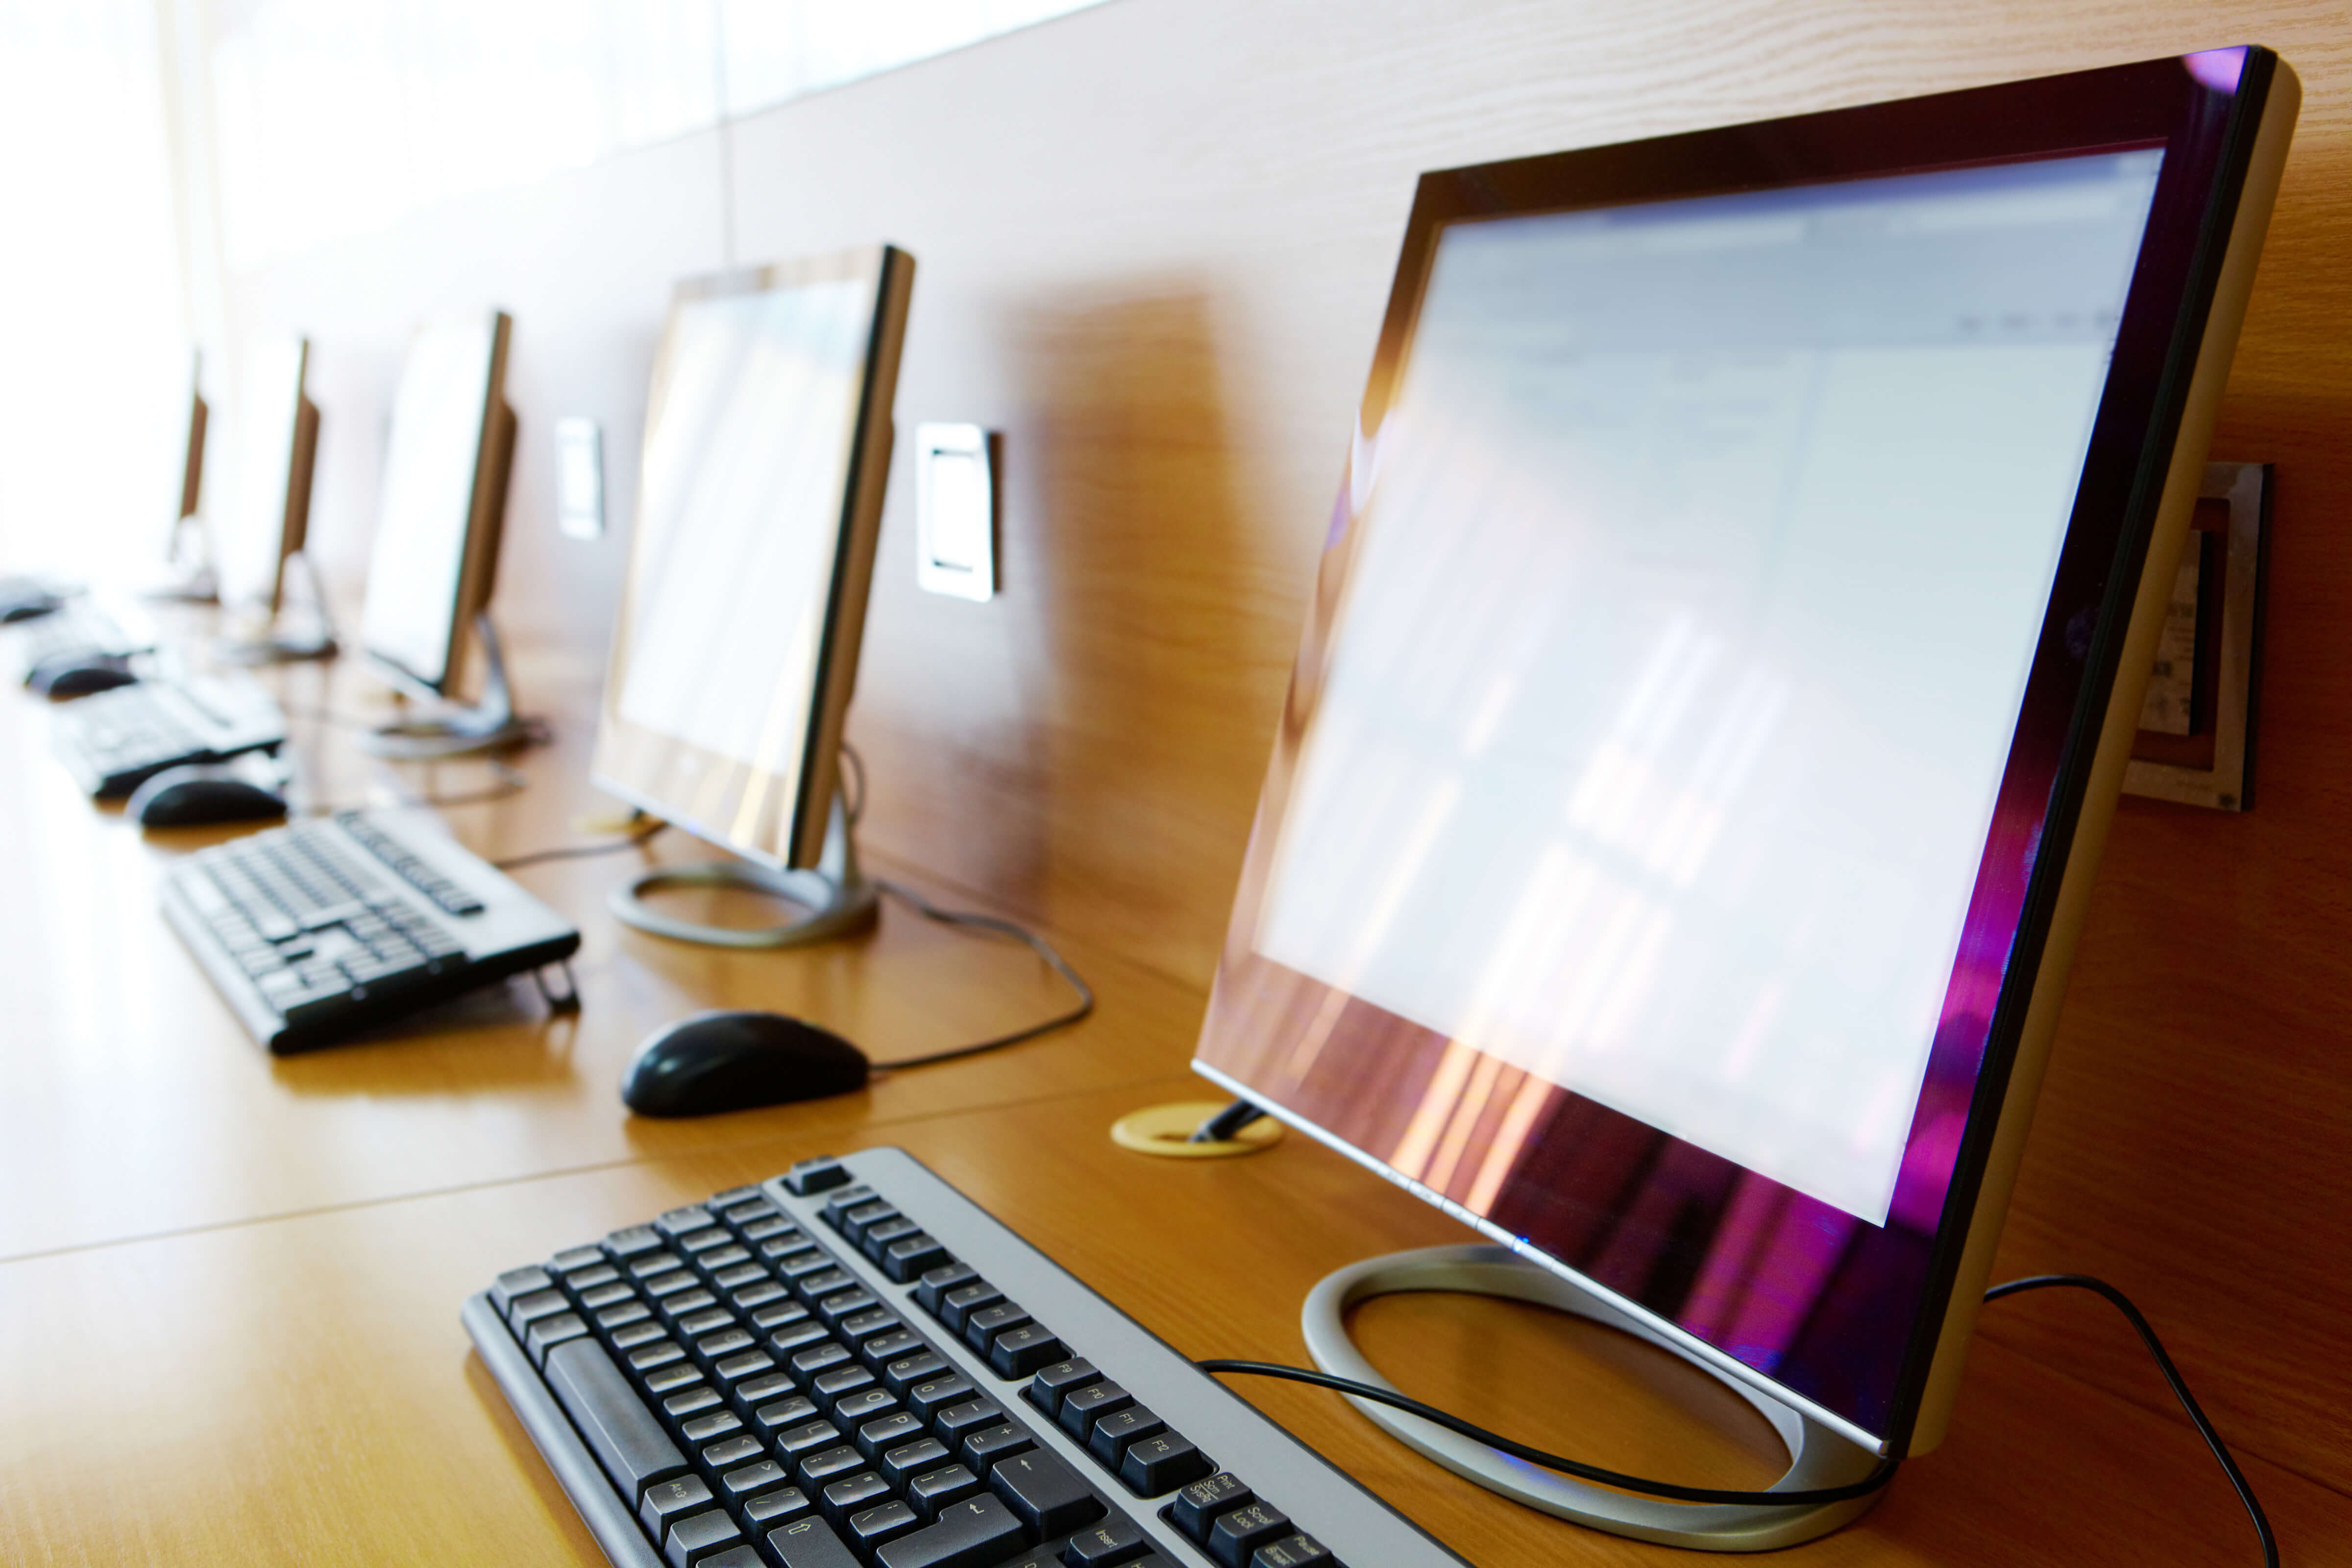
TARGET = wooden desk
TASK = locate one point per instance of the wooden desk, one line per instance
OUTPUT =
(228, 1315)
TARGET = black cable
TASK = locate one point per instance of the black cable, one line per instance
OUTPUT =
(854, 807)
(1879, 1476)
(1226, 1124)
(1035, 943)
(2196, 1412)
(645, 834)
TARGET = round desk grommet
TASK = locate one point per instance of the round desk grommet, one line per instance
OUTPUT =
(1165, 1129)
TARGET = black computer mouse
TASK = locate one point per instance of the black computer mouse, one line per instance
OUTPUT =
(24, 607)
(733, 1061)
(61, 682)
(201, 794)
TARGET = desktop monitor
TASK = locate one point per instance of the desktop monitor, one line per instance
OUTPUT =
(436, 552)
(267, 512)
(1725, 653)
(767, 448)
(192, 468)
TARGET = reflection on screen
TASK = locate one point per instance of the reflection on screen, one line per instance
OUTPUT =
(249, 529)
(739, 518)
(1706, 550)
(439, 421)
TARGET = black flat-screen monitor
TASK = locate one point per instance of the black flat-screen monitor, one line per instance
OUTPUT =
(766, 453)
(1725, 653)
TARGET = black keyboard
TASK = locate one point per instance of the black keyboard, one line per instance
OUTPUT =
(854, 1366)
(316, 930)
(113, 741)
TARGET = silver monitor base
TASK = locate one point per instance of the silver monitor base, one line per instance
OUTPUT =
(1818, 1458)
(457, 730)
(839, 900)
(273, 645)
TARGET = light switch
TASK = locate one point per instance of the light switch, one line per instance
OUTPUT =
(579, 478)
(955, 493)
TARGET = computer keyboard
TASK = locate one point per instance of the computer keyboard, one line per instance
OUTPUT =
(316, 930)
(113, 741)
(80, 634)
(852, 1365)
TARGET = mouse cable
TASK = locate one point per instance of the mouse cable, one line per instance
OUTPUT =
(644, 833)
(1879, 1476)
(1037, 944)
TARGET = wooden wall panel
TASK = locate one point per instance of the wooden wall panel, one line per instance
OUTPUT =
(1153, 241)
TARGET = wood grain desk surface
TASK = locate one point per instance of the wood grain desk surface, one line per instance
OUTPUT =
(228, 1303)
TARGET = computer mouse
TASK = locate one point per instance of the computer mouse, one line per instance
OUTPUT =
(201, 794)
(25, 606)
(714, 1062)
(59, 681)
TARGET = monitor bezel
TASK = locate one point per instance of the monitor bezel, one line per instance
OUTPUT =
(630, 757)
(478, 554)
(2204, 112)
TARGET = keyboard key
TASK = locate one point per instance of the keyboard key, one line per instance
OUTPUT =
(1113, 1540)
(886, 1521)
(902, 1462)
(853, 1410)
(930, 1397)
(981, 1328)
(810, 1542)
(590, 1276)
(743, 1215)
(937, 1283)
(1294, 1552)
(671, 1378)
(632, 1242)
(625, 1438)
(517, 1282)
(596, 1298)
(574, 1259)
(698, 1536)
(751, 1479)
(1156, 1464)
(694, 1325)
(853, 1494)
(735, 1277)
(644, 1332)
(806, 1438)
(853, 1222)
(912, 1256)
(1082, 1406)
(673, 1500)
(1235, 1537)
(658, 1262)
(771, 1509)
(810, 1177)
(624, 1314)
(1198, 1505)
(843, 1305)
(549, 1332)
(719, 1423)
(828, 1386)
(903, 1373)
(896, 1345)
(1019, 1352)
(736, 1368)
(683, 1221)
(725, 1342)
(1116, 1431)
(729, 1452)
(1049, 1497)
(934, 1490)
(860, 1327)
(1046, 1389)
(977, 1533)
(808, 1364)
(826, 1281)
(816, 1470)
(653, 1354)
(882, 1233)
(796, 1335)
(957, 1422)
(536, 1304)
(984, 1449)
(895, 1430)
(744, 1556)
(782, 1414)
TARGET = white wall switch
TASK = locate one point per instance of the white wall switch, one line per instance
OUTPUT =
(955, 494)
(579, 478)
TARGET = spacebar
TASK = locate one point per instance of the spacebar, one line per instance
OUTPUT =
(629, 1441)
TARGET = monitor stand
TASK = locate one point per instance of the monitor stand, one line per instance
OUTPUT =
(187, 577)
(457, 729)
(1817, 1457)
(274, 645)
(839, 900)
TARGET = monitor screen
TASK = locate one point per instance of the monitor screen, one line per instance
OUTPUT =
(1701, 633)
(765, 432)
(437, 483)
(251, 528)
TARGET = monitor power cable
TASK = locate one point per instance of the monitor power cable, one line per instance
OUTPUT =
(1879, 1477)
(644, 832)
(973, 920)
